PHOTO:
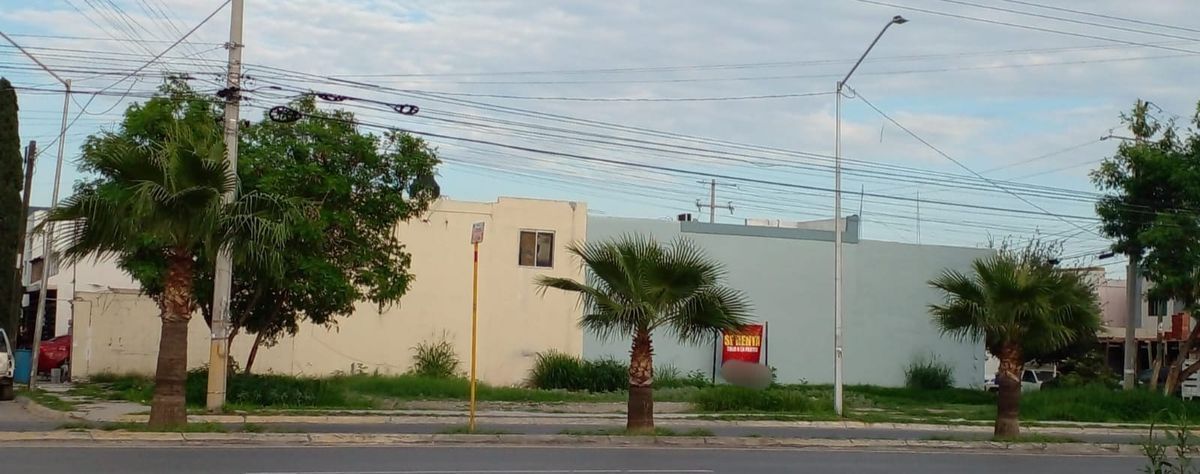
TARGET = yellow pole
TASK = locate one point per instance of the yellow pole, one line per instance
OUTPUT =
(474, 332)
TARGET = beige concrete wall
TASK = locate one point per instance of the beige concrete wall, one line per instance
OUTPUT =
(118, 332)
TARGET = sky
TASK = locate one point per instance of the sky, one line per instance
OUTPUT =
(976, 121)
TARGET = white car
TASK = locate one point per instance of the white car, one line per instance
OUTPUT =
(1031, 380)
(6, 368)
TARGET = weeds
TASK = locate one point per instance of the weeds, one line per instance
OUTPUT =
(929, 374)
(436, 360)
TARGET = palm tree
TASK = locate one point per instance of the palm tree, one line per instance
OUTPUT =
(637, 286)
(168, 192)
(1020, 305)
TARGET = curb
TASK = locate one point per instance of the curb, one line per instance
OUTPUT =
(591, 420)
(362, 439)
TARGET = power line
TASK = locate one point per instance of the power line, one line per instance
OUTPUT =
(641, 99)
(1030, 27)
(1071, 20)
(684, 171)
(1110, 17)
(948, 157)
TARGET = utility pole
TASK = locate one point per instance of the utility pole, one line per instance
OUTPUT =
(712, 202)
(218, 361)
(48, 244)
(1133, 277)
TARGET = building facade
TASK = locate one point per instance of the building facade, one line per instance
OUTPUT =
(116, 330)
(786, 271)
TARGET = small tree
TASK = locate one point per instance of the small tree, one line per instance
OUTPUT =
(11, 213)
(1019, 304)
(1152, 212)
(637, 286)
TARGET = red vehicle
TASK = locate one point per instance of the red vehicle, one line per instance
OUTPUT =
(53, 354)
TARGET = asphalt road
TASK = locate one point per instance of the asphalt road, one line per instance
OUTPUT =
(496, 460)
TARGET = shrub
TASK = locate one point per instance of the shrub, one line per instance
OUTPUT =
(436, 360)
(605, 375)
(725, 398)
(554, 370)
(669, 376)
(928, 374)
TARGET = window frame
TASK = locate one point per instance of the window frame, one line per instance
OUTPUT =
(1152, 303)
(537, 233)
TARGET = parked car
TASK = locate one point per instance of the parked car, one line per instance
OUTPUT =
(54, 353)
(1031, 380)
(7, 363)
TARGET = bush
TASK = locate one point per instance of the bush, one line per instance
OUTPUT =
(605, 375)
(726, 398)
(436, 360)
(554, 370)
(669, 376)
(929, 374)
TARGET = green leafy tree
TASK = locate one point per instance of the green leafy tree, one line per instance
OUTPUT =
(11, 213)
(345, 249)
(1151, 212)
(1018, 304)
(637, 286)
(158, 187)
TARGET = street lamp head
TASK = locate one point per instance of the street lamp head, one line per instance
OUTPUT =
(899, 20)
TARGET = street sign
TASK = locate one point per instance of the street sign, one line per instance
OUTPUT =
(477, 233)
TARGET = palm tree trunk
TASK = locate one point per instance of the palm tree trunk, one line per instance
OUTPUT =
(640, 417)
(253, 352)
(1008, 401)
(168, 408)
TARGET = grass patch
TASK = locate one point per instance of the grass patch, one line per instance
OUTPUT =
(729, 398)
(47, 399)
(1101, 404)
(658, 431)
(463, 429)
(144, 428)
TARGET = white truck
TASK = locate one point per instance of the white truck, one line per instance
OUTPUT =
(7, 363)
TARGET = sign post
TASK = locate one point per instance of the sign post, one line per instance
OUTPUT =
(476, 238)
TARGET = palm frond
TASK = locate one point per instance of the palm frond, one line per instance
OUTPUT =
(705, 312)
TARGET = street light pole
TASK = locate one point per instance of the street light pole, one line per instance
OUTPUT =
(48, 236)
(837, 218)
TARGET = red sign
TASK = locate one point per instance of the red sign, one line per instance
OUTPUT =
(745, 345)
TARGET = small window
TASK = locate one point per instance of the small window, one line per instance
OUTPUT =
(537, 249)
(1158, 307)
(1029, 377)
